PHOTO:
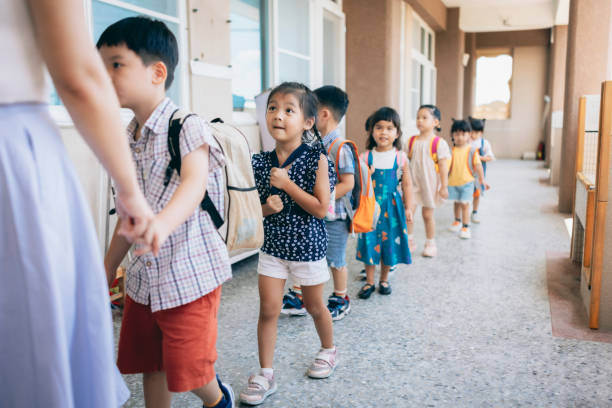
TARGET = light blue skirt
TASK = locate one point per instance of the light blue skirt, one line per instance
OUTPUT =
(56, 345)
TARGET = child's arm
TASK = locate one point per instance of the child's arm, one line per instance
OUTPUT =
(118, 248)
(184, 201)
(345, 184)
(316, 204)
(443, 167)
(407, 190)
(481, 175)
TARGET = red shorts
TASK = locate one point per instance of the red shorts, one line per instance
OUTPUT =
(180, 341)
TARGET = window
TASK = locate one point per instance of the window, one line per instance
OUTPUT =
(106, 12)
(422, 86)
(293, 41)
(246, 40)
(493, 84)
(333, 49)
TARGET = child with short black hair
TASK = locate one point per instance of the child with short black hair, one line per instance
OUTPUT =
(333, 103)
(169, 326)
(465, 165)
(486, 155)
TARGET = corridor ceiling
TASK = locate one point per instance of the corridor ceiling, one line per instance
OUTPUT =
(509, 15)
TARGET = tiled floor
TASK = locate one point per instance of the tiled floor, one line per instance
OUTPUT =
(468, 328)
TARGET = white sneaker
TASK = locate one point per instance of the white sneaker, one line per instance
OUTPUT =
(430, 250)
(475, 218)
(465, 233)
(455, 227)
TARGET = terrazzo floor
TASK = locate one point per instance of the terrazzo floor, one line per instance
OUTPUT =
(470, 328)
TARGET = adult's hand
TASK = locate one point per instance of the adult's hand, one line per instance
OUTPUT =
(136, 215)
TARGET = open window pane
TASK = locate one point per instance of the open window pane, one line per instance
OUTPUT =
(493, 85)
(246, 52)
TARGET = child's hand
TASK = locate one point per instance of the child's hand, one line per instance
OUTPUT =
(153, 238)
(275, 203)
(444, 192)
(279, 178)
(486, 186)
(408, 215)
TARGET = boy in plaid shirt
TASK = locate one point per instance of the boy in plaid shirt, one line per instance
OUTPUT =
(169, 326)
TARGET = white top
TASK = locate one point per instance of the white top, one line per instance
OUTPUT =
(487, 151)
(385, 160)
(23, 73)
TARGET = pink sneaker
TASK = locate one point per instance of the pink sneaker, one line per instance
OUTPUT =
(430, 250)
(324, 364)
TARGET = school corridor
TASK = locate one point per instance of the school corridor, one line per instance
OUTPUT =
(470, 328)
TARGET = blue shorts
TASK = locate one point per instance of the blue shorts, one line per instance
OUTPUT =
(462, 193)
(337, 237)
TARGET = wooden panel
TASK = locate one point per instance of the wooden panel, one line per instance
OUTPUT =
(603, 151)
(580, 135)
(597, 263)
(209, 31)
(589, 231)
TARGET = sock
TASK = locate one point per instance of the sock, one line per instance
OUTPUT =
(329, 350)
(466, 225)
(430, 241)
(267, 372)
(220, 401)
(457, 219)
(340, 293)
(297, 289)
(474, 212)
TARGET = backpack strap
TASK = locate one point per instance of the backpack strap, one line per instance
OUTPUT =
(410, 144)
(175, 125)
(433, 151)
(470, 161)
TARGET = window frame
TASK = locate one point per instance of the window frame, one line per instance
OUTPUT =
(495, 52)
(59, 113)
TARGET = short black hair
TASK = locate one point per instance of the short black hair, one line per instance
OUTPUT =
(150, 39)
(477, 124)
(387, 114)
(333, 98)
(461, 125)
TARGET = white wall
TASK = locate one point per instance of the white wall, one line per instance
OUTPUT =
(524, 130)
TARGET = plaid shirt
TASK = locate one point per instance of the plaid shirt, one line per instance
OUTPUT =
(345, 166)
(193, 261)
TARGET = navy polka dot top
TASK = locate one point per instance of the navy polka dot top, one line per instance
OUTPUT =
(293, 234)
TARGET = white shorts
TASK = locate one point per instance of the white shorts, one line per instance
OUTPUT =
(302, 273)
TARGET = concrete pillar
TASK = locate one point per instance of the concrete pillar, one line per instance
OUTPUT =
(556, 91)
(373, 32)
(450, 46)
(588, 47)
(469, 77)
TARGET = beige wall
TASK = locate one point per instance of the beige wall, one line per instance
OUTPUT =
(432, 11)
(469, 76)
(556, 90)
(523, 131)
(372, 61)
(450, 46)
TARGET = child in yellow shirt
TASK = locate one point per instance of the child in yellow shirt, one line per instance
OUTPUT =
(465, 163)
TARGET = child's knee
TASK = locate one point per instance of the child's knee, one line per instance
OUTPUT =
(315, 309)
(269, 310)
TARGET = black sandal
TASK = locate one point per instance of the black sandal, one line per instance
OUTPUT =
(384, 288)
(366, 291)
